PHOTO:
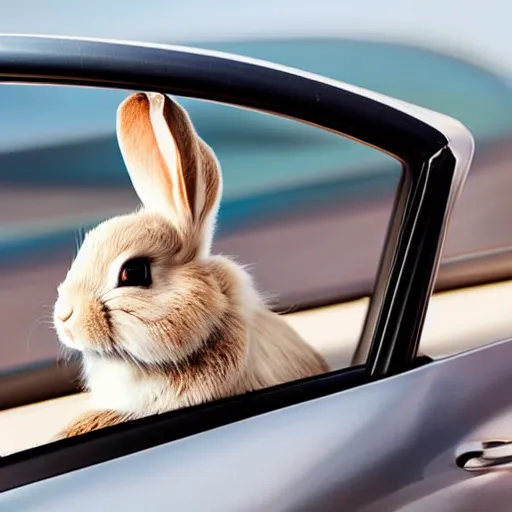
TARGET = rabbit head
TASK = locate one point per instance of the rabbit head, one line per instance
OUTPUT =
(144, 299)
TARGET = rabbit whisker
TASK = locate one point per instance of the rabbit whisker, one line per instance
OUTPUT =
(127, 312)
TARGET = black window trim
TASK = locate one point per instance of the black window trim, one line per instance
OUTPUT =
(430, 184)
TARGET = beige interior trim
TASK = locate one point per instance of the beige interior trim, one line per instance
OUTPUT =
(456, 321)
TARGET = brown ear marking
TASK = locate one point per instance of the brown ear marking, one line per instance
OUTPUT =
(164, 154)
(89, 421)
(138, 142)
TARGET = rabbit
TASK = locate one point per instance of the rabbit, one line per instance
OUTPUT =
(160, 322)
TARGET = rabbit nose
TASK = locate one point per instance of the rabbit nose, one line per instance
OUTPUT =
(65, 314)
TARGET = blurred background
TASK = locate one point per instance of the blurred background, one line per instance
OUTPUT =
(307, 209)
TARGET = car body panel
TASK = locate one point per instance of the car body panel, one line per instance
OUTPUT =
(378, 447)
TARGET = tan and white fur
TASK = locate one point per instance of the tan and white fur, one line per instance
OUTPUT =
(200, 331)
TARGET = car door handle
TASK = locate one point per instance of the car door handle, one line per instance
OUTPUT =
(485, 456)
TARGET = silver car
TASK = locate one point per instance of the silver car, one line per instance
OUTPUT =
(397, 428)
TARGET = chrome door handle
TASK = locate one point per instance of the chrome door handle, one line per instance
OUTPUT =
(485, 456)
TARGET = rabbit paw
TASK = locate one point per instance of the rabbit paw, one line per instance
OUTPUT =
(90, 421)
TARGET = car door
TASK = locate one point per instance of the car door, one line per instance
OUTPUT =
(383, 434)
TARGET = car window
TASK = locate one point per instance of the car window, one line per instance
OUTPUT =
(296, 201)
(306, 210)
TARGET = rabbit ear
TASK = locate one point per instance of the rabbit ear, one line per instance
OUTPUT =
(172, 170)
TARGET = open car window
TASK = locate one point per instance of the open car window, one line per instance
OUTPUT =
(288, 188)
(285, 183)
(435, 152)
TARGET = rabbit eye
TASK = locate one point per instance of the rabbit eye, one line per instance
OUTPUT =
(135, 272)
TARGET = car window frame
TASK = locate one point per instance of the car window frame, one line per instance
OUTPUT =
(433, 174)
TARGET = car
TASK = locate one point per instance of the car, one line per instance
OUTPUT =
(394, 429)
(275, 170)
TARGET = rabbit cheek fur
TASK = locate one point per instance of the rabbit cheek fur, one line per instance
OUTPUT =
(199, 331)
